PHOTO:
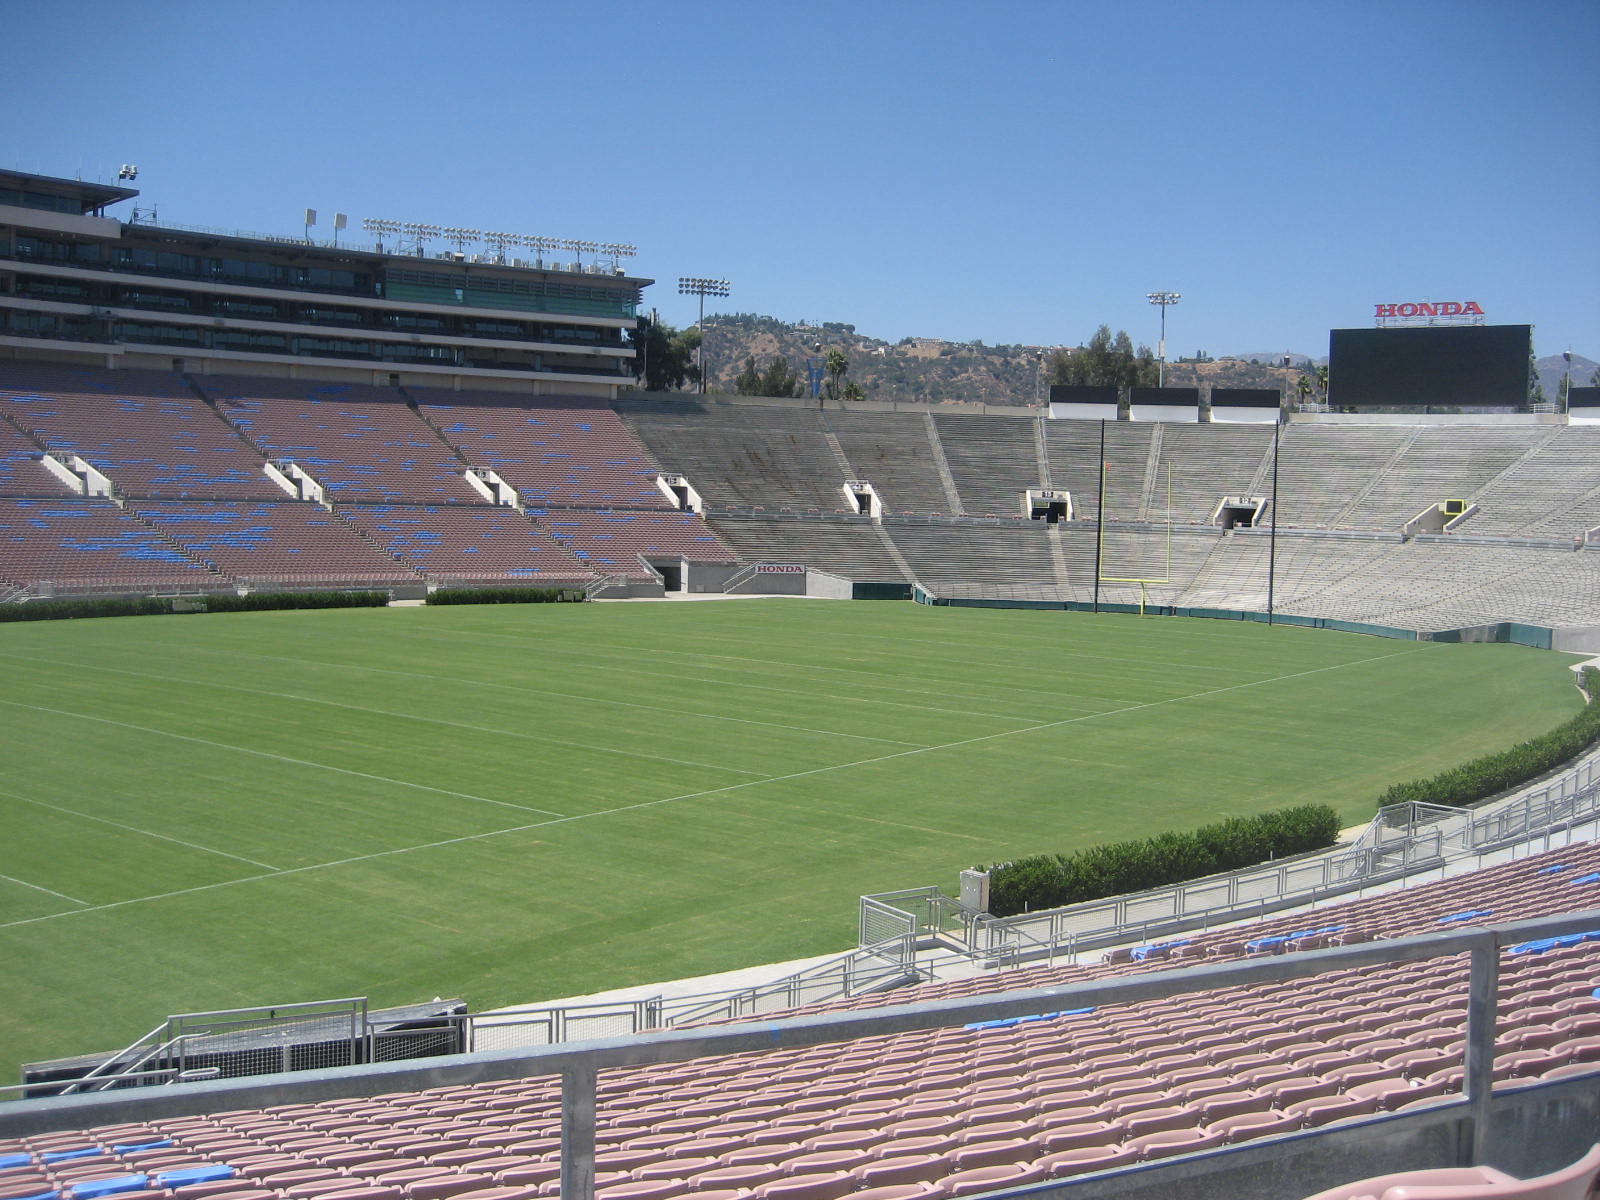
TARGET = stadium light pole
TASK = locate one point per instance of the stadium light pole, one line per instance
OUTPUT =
(695, 286)
(1165, 300)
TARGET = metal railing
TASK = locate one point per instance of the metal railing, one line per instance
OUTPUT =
(579, 1065)
(1401, 840)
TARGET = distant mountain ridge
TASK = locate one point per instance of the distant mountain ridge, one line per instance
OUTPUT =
(938, 371)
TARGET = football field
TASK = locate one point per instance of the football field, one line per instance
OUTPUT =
(508, 803)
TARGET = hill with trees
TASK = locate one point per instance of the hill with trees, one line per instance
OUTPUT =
(760, 355)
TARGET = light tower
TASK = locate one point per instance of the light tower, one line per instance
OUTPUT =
(695, 286)
(1164, 299)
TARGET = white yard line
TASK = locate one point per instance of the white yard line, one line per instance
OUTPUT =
(401, 716)
(284, 758)
(40, 888)
(136, 829)
(537, 692)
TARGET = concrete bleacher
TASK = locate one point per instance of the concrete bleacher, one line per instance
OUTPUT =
(1551, 491)
(551, 449)
(1208, 462)
(359, 443)
(853, 548)
(745, 455)
(1442, 462)
(896, 453)
(145, 430)
(994, 460)
(1322, 469)
(978, 555)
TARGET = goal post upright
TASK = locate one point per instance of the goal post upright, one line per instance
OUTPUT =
(1141, 580)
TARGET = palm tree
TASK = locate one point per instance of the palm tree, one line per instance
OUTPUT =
(838, 364)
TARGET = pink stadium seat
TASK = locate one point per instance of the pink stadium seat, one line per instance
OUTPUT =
(441, 1187)
(822, 1185)
(1173, 1141)
(909, 1168)
(746, 1177)
(991, 1179)
(1473, 1183)
(900, 1191)
(1242, 1126)
(1085, 1159)
(665, 1190)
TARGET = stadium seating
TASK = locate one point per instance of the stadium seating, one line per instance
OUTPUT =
(613, 542)
(743, 455)
(77, 545)
(1467, 1183)
(552, 450)
(941, 1112)
(278, 544)
(21, 473)
(898, 455)
(770, 473)
(463, 544)
(360, 443)
(853, 548)
(148, 432)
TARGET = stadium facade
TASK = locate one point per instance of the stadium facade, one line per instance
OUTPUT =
(77, 285)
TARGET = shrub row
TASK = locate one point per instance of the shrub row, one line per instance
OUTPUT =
(1494, 773)
(146, 606)
(1116, 868)
(505, 595)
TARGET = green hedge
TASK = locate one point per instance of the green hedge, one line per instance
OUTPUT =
(149, 606)
(1495, 773)
(1116, 868)
(505, 595)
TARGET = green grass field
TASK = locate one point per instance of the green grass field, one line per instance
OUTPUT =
(521, 802)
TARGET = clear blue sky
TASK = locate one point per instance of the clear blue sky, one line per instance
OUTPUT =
(1015, 172)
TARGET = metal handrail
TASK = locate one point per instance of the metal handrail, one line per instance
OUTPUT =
(580, 1064)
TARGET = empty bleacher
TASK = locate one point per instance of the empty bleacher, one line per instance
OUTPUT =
(612, 543)
(73, 545)
(1322, 469)
(853, 548)
(360, 443)
(21, 471)
(942, 1112)
(146, 431)
(1442, 462)
(1552, 491)
(896, 454)
(994, 460)
(277, 544)
(552, 450)
(461, 544)
(1208, 462)
(745, 455)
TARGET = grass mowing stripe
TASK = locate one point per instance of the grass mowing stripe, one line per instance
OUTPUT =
(732, 787)
(40, 888)
(381, 712)
(72, 812)
(543, 691)
(284, 758)
(679, 889)
(585, 657)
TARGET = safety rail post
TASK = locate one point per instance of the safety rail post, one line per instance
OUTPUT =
(578, 1087)
(1482, 1005)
